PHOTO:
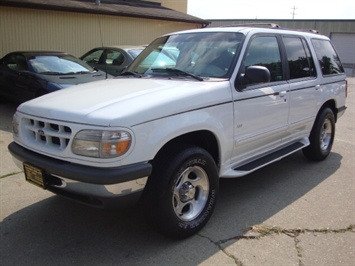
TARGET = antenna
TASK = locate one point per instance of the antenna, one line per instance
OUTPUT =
(102, 43)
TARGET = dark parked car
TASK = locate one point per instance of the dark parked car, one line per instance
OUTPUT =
(26, 75)
(112, 59)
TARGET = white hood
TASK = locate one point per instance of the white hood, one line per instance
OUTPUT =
(124, 101)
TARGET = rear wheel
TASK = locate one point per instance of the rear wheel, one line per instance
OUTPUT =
(181, 192)
(321, 137)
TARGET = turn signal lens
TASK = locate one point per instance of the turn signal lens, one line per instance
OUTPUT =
(15, 125)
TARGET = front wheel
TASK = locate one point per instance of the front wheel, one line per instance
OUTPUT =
(321, 137)
(181, 192)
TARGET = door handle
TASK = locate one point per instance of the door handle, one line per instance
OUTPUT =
(283, 94)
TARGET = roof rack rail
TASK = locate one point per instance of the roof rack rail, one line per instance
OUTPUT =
(302, 30)
(270, 26)
(309, 30)
(257, 25)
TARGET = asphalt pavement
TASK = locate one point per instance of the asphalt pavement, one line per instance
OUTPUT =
(293, 212)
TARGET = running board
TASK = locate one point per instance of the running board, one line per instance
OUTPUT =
(263, 161)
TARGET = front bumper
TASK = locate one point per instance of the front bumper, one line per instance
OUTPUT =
(89, 185)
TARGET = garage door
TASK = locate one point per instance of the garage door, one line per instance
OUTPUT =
(345, 45)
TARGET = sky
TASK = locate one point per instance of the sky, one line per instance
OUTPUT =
(272, 9)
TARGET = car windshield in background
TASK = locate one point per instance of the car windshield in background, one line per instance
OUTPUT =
(207, 55)
(134, 52)
(53, 64)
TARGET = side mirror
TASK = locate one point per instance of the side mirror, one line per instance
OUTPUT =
(254, 75)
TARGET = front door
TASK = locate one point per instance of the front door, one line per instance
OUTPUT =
(260, 110)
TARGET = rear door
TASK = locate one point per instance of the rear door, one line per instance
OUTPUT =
(304, 89)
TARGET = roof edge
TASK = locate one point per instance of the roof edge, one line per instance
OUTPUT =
(110, 9)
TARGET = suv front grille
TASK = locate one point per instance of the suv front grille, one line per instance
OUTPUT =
(49, 134)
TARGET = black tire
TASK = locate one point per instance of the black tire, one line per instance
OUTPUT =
(321, 137)
(181, 192)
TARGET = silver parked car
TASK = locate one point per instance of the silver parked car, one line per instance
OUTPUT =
(112, 59)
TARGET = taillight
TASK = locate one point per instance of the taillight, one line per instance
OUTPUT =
(346, 88)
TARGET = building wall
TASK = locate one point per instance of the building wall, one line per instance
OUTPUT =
(76, 33)
(178, 5)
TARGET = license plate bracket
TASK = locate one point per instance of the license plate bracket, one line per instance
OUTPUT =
(34, 175)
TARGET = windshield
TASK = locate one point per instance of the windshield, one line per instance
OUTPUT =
(58, 64)
(208, 54)
(135, 52)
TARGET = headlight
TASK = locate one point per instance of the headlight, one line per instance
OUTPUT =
(101, 143)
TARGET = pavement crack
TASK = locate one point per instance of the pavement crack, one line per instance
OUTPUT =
(265, 230)
(257, 232)
(298, 250)
(10, 174)
(218, 244)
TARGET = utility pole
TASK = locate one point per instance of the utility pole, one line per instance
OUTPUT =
(293, 12)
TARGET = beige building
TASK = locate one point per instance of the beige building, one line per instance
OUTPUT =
(76, 26)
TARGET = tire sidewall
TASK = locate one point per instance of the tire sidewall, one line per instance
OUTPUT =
(314, 150)
(161, 212)
(327, 116)
(203, 217)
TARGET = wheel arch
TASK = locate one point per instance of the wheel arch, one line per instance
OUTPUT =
(329, 104)
(202, 138)
(182, 190)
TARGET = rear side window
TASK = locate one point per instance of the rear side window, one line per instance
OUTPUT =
(327, 57)
(299, 58)
(264, 51)
(16, 62)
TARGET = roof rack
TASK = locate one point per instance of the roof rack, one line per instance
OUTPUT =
(269, 26)
(302, 30)
(308, 30)
(257, 25)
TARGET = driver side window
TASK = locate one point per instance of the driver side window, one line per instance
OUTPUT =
(264, 51)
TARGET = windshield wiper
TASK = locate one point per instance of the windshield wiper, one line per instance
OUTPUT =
(130, 73)
(51, 73)
(179, 71)
(79, 72)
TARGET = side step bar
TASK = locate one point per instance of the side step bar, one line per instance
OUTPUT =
(249, 167)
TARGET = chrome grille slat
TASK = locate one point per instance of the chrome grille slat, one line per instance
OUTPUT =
(47, 133)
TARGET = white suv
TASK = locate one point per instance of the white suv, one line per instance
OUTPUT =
(195, 106)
